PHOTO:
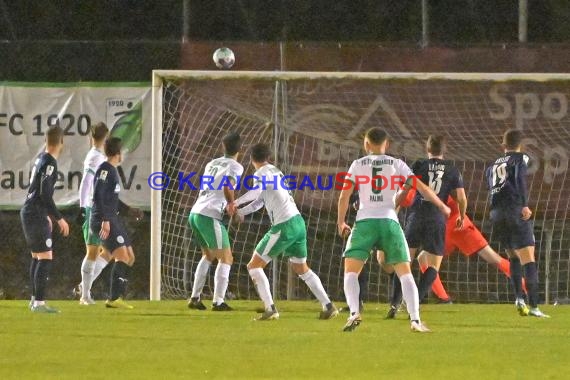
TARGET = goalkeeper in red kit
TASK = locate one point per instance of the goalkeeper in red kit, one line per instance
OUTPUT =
(467, 240)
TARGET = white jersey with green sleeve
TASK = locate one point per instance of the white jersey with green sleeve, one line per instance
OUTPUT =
(378, 202)
(93, 159)
(271, 191)
(211, 200)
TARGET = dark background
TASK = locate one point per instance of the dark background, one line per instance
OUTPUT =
(69, 40)
(451, 21)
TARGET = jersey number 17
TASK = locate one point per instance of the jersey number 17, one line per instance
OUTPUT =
(435, 180)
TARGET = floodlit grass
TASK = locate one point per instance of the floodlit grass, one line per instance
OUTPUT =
(164, 340)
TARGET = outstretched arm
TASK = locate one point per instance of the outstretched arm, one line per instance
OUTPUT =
(253, 197)
(251, 208)
(250, 196)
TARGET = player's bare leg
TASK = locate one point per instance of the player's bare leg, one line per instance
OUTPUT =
(380, 257)
(352, 268)
(255, 268)
(489, 255)
(315, 285)
(410, 294)
(492, 257)
(131, 256)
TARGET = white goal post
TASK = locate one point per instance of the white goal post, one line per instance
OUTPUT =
(315, 120)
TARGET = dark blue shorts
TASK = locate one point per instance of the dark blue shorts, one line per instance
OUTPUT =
(426, 232)
(117, 237)
(510, 230)
(37, 231)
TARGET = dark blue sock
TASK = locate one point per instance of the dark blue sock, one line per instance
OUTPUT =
(516, 276)
(531, 278)
(41, 277)
(426, 280)
(396, 297)
(33, 266)
(118, 279)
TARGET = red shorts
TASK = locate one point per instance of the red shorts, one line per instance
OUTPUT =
(467, 240)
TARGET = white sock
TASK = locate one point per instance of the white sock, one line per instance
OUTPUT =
(352, 291)
(262, 284)
(100, 264)
(411, 297)
(314, 283)
(221, 279)
(87, 267)
(200, 277)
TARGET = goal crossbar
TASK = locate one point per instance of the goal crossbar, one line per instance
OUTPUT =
(160, 76)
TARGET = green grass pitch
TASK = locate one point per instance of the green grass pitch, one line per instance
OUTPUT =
(165, 340)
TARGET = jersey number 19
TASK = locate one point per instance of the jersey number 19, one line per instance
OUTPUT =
(499, 174)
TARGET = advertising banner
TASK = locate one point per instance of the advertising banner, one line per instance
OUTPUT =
(28, 110)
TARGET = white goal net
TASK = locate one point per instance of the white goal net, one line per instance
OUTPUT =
(315, 123)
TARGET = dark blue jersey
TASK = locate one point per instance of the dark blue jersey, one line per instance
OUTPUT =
(106, 189)
(39, 200)
(440, 175)
(506, 180)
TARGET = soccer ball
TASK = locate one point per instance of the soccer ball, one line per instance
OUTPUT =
(224, 58)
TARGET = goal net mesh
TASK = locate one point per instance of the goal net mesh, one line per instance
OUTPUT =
(315, 126)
